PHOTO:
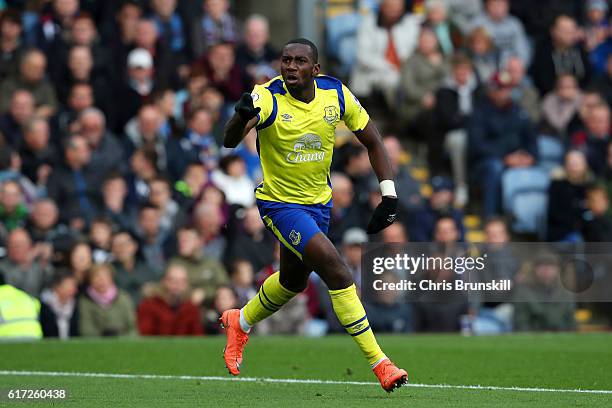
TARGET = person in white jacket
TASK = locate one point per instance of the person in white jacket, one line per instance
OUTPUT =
(384, 41)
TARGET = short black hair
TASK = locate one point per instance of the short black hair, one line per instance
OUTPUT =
(313, 48)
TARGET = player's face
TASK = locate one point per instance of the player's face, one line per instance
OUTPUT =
(297, 67)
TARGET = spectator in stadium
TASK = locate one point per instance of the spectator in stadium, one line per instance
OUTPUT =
(388, 312)
(170, 312)
(566, 196)
(483, 53)
(231, 177)
(189, 98)
(603, 82)
(208, 220)
(31, 76)
(38, 155)
(357, 167)
(132, 274)
(13, 210)
(114, 202)
(62, 124)
(144, 131)
(165, 101)
(560, 54)
(462, 12)
(257, 57)
(121, 32)
(105, 149)
(493, 312)
(384, 41)
(543, 303)
(104, 309)
(523, 92)
(80, 261)
(74, 185)
(247, 150)
(440, 204)
(21, 109)
(189, 187)
(10, 169)
(591, 98)
(155, 243)
(251, 242)
(560, 106)
(172, 30)
(53, 25)
(197, 145)
(421, 75)
(26, 265)
(215, 25)
(160, 195)
(448, 34)
(223, 72)
(44, 228)
(455, 101)
(143, 168)
(133, 92)
(507, 31)
(594, 139)
(345, 213)
(351, 251)
(500, 135)
(596, 26)
(597, 221)
(205, 274)
(165, 62)
(100, 234)
(242, 280)
(11, 45)
(59, 314)
(395, 234)
(224, 298)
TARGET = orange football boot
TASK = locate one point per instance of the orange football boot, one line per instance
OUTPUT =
(236, 340)
(390, 376)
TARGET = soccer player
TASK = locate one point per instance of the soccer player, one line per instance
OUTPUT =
(296, 115)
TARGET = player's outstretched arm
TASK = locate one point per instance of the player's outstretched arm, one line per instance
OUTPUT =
(242, 122)
(386, 212)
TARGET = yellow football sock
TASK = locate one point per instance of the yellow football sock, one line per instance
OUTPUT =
(271, 297)
(353, 317)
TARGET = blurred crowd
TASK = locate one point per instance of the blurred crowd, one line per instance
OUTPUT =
(121, 212)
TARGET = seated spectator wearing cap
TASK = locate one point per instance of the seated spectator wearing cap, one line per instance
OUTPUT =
(455, 101)
(542, 303)
(594, 139)
(500, 135)
(59, 314)
(169, 311)
(213, 26)
(104, 309)
(506, 30)
(566, 197)
(31, 76)
(560, 54)
(440, 204)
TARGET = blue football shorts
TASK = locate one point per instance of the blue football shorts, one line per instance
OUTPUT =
(295, 224)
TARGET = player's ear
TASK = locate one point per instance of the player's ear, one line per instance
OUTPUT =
(316, 69)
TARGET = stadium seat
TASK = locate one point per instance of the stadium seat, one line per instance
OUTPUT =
(525, 198)
(550, 152)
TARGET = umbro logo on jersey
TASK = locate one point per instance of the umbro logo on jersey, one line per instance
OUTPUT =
(286, 117)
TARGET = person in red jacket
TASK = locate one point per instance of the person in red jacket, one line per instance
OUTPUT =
(169, 312)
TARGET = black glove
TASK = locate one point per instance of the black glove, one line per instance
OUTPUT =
(384, 215)
(245, 108)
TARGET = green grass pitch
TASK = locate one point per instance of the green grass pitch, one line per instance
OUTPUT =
(544, 361)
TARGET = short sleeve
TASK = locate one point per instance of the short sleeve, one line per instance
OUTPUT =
(355, 116)
(262, 98)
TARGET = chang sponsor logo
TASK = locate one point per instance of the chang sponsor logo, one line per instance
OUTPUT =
(306, 149)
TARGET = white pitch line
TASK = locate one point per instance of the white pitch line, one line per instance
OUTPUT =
(287, 381)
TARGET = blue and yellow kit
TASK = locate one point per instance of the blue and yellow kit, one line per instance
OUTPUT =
(295, 141)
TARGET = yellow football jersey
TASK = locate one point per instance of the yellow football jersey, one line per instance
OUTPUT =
(295, 140)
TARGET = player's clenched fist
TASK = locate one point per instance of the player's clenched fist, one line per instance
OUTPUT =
(245, 107)
(384, 215)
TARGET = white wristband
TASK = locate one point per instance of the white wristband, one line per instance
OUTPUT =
(387, 188)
